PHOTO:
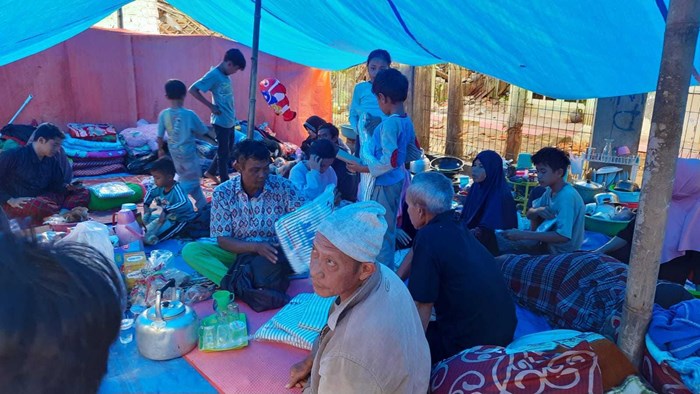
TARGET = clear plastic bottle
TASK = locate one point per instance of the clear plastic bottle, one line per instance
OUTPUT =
(126, 331)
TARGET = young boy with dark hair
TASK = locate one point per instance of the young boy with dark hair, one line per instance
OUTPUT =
(176, 208)
(182, 124)
(557, 218)
(223, 114)
(347, 181)
(392, 141)
(312, 176)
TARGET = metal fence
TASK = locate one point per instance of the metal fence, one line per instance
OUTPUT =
(487, 108)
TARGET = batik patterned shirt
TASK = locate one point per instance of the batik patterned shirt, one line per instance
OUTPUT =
(252, 219)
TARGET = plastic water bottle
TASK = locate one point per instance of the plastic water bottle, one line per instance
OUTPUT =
(126, 332)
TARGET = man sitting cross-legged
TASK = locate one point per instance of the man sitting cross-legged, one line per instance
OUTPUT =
(243, 214)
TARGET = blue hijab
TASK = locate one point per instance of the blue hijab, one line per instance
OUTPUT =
(490, 203)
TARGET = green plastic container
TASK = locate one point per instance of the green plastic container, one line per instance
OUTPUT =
(607, 227)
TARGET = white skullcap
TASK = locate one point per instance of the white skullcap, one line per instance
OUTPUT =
(357, 230)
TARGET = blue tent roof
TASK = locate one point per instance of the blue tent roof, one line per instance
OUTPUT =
(565, 48)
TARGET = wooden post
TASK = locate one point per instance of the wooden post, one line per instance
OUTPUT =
(254, 69)
(421, 96)
(517, 99)
(454, 140)
(408, 71)
(677, 57)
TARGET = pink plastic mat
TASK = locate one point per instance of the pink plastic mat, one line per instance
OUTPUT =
(262, 367)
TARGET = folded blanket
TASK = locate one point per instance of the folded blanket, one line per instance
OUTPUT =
(99, 170)
(86, 145)
(95, 163)
(677, 329)
(79, 153)
(91, 131)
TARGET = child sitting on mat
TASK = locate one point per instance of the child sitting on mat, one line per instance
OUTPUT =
(176, 208)
(182, 124)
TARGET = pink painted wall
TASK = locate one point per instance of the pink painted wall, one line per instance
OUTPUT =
(112, 76)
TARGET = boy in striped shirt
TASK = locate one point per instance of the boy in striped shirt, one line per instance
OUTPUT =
(176, 208)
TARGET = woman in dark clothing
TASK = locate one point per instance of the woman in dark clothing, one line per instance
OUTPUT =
(489, 206)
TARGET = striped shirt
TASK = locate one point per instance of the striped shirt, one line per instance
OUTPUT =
(174, 203)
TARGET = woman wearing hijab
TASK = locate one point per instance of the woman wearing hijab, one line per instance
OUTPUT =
(489, 205)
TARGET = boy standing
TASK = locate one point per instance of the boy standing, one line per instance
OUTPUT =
(223, 114)
(557, 218)
(181, 125)
(392, 139)
(177, 209)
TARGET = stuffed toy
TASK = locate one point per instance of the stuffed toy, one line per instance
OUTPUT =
(275, 95)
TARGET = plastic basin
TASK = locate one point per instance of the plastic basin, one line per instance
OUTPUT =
(607, 227)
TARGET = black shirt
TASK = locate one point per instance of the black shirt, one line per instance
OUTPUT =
(347, 181)
(455, 272)
(23, 174)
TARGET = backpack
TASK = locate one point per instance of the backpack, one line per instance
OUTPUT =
(258, 282)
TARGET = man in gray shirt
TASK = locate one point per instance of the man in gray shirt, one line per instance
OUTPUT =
(223, 114)
(373, 341)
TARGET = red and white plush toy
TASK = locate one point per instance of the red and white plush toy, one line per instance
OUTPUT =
(275, 95)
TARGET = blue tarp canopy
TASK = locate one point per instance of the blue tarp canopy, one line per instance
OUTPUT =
(565, 48)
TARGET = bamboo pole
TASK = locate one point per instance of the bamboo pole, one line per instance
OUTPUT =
(254, 69)
(454, 139)
(677, 57)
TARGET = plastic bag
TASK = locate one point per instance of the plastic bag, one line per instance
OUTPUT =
(576, 166)
(158, 260)
(296, 230)
(96, 235)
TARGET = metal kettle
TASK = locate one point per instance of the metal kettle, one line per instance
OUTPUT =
(168, 329)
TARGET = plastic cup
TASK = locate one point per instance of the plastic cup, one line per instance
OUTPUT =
(221, 299)
(224, 336)
(463, 181)
(209, 337)
(237, 328)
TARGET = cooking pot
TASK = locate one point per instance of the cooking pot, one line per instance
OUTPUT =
(606, 198)
(588, 190)
(168, 329)
(626, 186)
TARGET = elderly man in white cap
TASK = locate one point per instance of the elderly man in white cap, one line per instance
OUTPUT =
(374, 341)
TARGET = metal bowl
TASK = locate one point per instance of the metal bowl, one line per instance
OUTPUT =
(448, 165)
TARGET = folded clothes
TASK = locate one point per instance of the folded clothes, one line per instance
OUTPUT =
(677, 329)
